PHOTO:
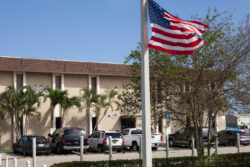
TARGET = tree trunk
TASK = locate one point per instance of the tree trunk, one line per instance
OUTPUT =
(52, 117)
(12, 130)
(88, 122)
(209, 134)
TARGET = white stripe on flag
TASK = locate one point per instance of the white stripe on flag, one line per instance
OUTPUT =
(185, 41)
(170, 31)
(177, 48)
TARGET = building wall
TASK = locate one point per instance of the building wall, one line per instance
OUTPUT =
(6, 79)
(40, 81)
(73, 83)
(113, 117)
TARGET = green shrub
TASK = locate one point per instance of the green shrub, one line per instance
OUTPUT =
(224, 160)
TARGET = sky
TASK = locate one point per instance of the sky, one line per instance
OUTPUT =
(88, 30)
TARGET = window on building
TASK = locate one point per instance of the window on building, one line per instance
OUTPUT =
(19, 81)
(188, 121)
(58, 82)
(94, 123)
(128, 122)
(93, 83)
(58, 122)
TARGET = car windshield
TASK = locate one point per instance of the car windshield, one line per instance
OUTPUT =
(240, 132)
(38, 138)
(114, 135)
(125, 132)
(75, 132)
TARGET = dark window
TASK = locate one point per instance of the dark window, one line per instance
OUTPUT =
(160, 126)
(240, 133)
(94, 123)
(58, 122)
(93, 83)
(188, 121)
(125, 132)
(58, 82)
(113, 135)
(75, 132)
(24, 139)
(38, 139)
(136, 131)
(19, 81)
(181, 131)
(96, 135)
(128, 122)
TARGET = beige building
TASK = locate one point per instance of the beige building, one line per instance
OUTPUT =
(71, 76)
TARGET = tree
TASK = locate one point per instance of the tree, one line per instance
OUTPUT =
(68, 103)
(89, 98)
(9, 104)
(161, 66)
(195, 86)
(56, 97)
(31, 101)
(19, 104)
(106, 102)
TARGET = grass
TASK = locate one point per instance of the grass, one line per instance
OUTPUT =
(6, 151)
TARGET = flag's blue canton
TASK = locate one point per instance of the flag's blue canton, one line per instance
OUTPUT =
(156, 14)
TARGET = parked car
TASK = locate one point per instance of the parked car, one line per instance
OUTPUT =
(24, 145)
(67, 139)
(183, 136)
(229, 137)
(132, 138)
(99, 141)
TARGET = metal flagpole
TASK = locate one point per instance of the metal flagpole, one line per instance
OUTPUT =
(146, 115)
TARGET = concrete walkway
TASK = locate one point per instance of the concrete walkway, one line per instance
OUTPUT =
(52, 159)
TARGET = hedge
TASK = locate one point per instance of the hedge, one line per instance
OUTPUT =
(223, 160)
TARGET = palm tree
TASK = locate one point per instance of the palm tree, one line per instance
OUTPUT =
(67, 103)
(106, 102)
(89, 98)
(1, 106)
(56, 96)
(99, 105)
(31, 102)
(11, 103)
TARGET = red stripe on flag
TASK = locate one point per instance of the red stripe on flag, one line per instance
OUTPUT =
(179, 36)
(170, 51)
(192, 44)
(172, 27)
(190, 26)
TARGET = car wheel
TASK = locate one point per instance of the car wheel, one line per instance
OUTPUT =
(14, 150)
(134, 146)
(24, 152)
(58, 150)
(154, 148)
(232, 143)
(171, 143)
(100, 149)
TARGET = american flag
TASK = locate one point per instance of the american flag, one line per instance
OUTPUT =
(173, 35)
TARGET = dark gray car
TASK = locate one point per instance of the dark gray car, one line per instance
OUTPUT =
(68, 139)
(229, 137)
(183, 136)
(24, 145)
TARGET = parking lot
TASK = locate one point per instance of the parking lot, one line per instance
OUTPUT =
(93, 156)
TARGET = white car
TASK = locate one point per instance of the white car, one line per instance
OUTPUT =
(132, 138)
(99, 141)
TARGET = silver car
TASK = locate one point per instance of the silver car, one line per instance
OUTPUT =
(99, 141)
